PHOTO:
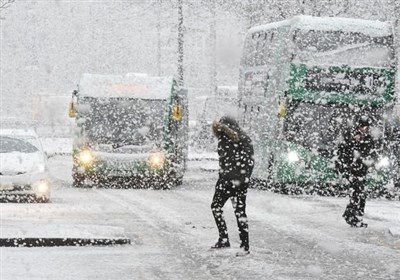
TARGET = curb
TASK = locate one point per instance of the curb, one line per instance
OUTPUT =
(56, 242)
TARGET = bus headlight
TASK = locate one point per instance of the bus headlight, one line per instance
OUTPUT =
(157, 160)
(41, 188)
(86, 157)
(383, 162)
(293, 157)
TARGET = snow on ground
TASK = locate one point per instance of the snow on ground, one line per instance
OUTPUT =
(291, 237)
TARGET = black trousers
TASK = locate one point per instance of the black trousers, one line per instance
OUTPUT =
(396, 166)
(355, 209)
(224, 190)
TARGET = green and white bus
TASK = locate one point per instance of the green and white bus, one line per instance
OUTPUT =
(302, 82)
(131, 131)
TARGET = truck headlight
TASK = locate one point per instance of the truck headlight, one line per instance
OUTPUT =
(293, 157)
(41, 188)
(86, 157)
(157, 160)
(383, 162)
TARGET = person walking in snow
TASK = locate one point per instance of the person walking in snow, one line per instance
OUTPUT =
(236, 163)
(395, 150)
(354, 159)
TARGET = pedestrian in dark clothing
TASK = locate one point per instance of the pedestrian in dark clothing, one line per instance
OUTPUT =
(236, 163)
(354, 159)
(395, 151)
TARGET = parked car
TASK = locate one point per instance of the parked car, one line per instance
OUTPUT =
(23, 170)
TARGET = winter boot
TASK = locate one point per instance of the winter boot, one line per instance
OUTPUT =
(244, 246)
(222, 243)
(350, 216)
(360, 224)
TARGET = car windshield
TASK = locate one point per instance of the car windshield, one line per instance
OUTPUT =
(8, 144)
(122, 122)
(338, 48)
(320, 127)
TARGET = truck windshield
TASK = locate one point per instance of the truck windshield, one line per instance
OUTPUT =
(339, 47)
(121, 122)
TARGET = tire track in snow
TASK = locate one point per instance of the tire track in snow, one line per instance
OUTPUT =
(162, 232)
(220, 264)
(305, 233)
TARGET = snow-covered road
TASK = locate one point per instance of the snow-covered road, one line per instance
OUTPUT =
(171, 232)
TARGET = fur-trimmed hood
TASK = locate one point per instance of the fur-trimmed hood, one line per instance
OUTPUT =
(228, 127)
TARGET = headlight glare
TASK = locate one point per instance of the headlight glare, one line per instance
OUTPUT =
(157, 160)
(41, 187)
(293, 157)
(86, 157)
(39, 168)
(382, 163)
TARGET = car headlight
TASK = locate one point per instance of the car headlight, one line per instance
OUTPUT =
(293, 157)
(86, 157)
(38, 168)
(41, 188)
(383, 162)
(41, 167)
(157, 160)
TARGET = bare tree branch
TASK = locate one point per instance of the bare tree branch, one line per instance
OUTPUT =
(4, 4)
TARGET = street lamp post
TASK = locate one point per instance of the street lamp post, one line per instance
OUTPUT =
(180, 43)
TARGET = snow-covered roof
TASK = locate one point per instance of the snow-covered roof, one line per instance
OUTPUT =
(131, 85)
(369, 27)
(18, 132)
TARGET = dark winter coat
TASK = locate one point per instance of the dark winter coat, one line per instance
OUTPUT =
(395, 138)
(235, 150)
(354, 156)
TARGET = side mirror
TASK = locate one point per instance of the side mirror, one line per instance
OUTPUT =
(282, 112)
(72, 110)
(177, 112)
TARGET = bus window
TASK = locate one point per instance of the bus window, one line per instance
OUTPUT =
(267, 49)
(249, 50)
(259, 49)
(339, 47)
(253, 50)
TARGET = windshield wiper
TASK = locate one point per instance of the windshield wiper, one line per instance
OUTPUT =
(118, 145)
(343, 49)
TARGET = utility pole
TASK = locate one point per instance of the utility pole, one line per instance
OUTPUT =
(396, 21)
(180, 43)
(159, 37)
(213, 49)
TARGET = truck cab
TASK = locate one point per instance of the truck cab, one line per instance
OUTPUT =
(131, 131)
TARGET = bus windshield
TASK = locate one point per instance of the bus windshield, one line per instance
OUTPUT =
(122, 122)
(338, 48)
(320, 127)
